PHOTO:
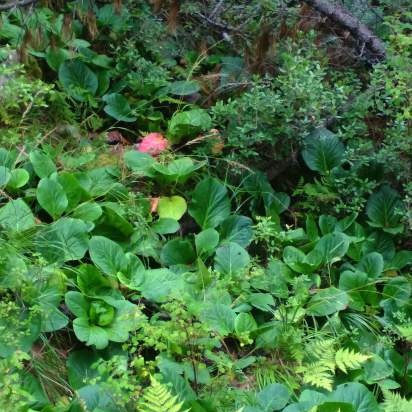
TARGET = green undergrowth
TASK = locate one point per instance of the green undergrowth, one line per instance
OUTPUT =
(226, 311)
(204, 214)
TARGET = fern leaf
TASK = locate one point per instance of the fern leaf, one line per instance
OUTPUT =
(322, 351)
(395, 403)
(157, 398)
(317, 374)
(349, 359)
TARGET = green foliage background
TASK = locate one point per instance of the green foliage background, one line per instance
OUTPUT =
(259, 261)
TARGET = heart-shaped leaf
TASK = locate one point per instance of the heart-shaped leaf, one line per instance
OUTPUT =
(107, 255)
(323, 151)
(178, 252)
(78, 79)
(206, 241)
(383, 210)
(18, 178)
(118, 107)
(173, 207)
(231, 258)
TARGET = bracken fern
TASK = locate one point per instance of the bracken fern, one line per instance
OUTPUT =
(396, 403)
(157, 398)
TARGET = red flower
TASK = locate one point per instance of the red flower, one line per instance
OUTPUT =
(153, 144)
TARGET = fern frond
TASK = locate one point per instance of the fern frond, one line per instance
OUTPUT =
(157, 398)
(396, 403)
(349, 359)
(317, 374)
(321, 350)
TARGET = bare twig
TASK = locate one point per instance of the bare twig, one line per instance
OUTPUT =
(216, 9)
(215, 23)
(17, 3)
(339, 15)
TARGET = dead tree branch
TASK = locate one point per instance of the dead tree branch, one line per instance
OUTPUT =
(13, 4)
(372, 46)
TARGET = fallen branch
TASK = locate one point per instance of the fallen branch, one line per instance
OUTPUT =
(14, 4)
(207, 20)
(369, 43)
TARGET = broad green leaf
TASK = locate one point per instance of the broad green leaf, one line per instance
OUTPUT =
(72, 188)
(359, 289)
(327, 301)
(276, 202)
(312, 397)
(177, 171)
(178, 252)
(206, 241)
(96, 398)
(64, 240)
(161, 285)
(383, 210)
(113, 220)
(332, 247)
(5, 176)
(376, 369)
(219, 317)
(231, 258)
(210, 203)
(173, 207)
(327, 224)
(301, 263)
(188, 124)
(262, 301)
(397, 294)
(16, 216)
(107, 255)
(323, 151)
(92, 335)
(244, 323)
(55, 56)
(311, 228)
(140, 163)
(357, 395)
(273, 397)
(166, 226)
(400, 260)
(42, 164)
(12, 32)
(18, 178)
(8, 158)
(77, 304)
(133, 276)
(52, 318)
(79, 367)
(128, 318)
(103, 78)
(335, 407)
(90, 280)
(51, 197)
(183, 87)
(78, 79)
(372, 264)
(237, 229)
(118, 107)
(88, 211)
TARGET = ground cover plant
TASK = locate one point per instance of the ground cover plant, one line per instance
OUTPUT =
(205, 206)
